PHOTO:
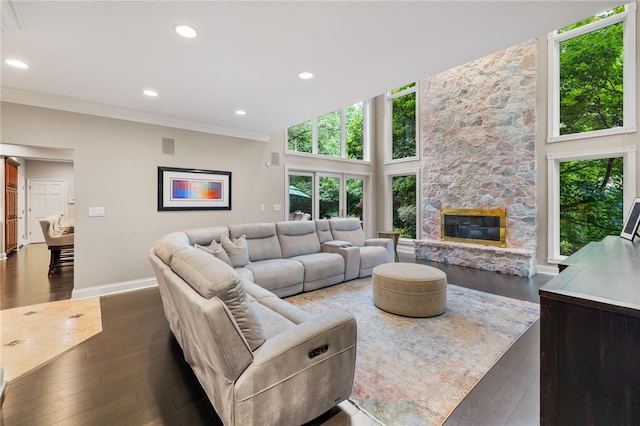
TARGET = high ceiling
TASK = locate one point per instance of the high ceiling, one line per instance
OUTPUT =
(98, 57)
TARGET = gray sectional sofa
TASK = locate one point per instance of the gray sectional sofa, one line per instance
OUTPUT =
(261, 360)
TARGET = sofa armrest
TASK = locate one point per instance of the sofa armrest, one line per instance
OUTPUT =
(382, 242)
(297, 350)
(349, 252)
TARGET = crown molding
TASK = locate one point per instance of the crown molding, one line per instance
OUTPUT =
(103, 110)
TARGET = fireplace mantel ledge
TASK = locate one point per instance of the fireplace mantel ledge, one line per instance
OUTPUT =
(470, 246)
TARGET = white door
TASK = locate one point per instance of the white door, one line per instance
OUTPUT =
(46, 197)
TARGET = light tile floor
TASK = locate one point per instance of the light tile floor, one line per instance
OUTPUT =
(32, 335)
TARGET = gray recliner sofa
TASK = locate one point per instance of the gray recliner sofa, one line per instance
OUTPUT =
(261, 360)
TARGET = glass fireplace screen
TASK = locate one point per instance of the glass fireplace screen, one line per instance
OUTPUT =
(479, 226)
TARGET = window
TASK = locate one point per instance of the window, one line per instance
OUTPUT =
(404, 205)
(589, 193)
(300, 196)
(299, 137)
(591, 201)
(592, 76)
(317, 195)
(401, 122)
(339, 134)
(355, 197)
(329, 187)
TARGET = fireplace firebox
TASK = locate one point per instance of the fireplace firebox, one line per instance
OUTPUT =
(479, 226)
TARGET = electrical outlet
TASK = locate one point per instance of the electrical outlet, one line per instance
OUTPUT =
(277, 207)
(261, 207)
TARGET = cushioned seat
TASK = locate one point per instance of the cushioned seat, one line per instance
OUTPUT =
(410, 289)
(321, 269)
(283, 277)
(299, 242)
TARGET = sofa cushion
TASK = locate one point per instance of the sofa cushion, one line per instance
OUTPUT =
(323, 230)
(297, 238)
(211, 277)
(205, 235)
(319, 266)
(347, 230)
(278, 274)
(238, 250)
(169, 244)
(216, 250)
(261, 239)
(371, 256)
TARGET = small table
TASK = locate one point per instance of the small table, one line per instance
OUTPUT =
(394, 236)
(410, 289)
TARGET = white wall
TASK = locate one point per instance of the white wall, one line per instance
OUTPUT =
(115, 166)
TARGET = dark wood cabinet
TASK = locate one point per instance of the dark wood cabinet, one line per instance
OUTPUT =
(590, 337)
(11, 205)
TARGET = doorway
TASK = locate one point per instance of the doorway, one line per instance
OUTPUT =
(46, 197)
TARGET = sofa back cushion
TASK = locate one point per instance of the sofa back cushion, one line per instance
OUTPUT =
(298, 238)
(261, 239)
(211, 277)
(323, 230)
(347, 230)
(169, 244)
(204, 236)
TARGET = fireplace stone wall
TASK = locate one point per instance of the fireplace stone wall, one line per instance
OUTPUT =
(478, 128)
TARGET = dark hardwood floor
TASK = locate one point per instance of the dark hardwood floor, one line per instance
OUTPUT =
(133, 373)
(24, 280)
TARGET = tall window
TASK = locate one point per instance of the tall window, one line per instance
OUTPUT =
(355, 197)
(401, 122)
(301, 196)
(339, 134)
(404, 205)
(591, 201)
(329, 187)
(588, 195)
(592, 76)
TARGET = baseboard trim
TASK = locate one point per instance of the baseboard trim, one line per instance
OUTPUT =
(551, 270)
(107, 289)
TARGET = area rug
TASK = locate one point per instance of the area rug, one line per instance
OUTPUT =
(415, 371)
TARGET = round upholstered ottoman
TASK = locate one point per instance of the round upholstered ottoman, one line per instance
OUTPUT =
(410, 289)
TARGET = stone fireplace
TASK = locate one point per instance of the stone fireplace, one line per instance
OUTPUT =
(478, 131)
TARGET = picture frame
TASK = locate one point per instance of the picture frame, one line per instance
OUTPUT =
(632, 223)
(193, 189)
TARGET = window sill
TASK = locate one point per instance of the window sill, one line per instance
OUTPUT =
(325, 157)
(594, 134)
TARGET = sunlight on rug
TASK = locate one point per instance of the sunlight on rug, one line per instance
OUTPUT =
(415, 371)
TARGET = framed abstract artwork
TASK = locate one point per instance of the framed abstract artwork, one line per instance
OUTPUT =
(632, 225)
(193, 189)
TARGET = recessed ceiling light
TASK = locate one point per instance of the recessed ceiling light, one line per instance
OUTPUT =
(305, 75)
(241, 112)
(186, 31)
(150, 93)
(16, 63)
